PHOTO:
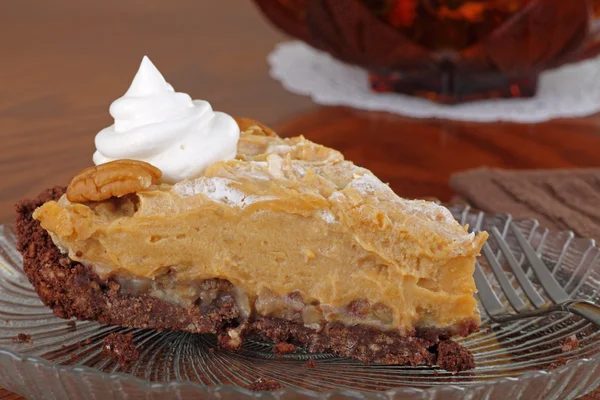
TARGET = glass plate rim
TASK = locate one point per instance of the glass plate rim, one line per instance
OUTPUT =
(7, 354)
(38, 361)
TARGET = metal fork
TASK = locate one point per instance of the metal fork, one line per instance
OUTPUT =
(560, 300)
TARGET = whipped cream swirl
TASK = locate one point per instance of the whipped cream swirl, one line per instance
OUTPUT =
(167, 129)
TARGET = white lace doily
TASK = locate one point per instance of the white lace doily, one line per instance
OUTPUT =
(570, 91)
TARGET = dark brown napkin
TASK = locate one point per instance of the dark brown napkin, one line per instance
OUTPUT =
(558, 199)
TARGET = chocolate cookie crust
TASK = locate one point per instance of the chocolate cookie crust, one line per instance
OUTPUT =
(71, 289)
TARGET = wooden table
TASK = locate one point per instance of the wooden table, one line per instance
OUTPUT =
(63, 62)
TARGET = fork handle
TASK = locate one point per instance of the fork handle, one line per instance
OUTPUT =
(585, 309)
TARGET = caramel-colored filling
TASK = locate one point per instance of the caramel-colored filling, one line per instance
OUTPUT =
(287, 216)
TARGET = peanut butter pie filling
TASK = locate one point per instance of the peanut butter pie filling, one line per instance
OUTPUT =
(279, 239)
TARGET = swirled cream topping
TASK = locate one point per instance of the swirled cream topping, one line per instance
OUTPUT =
(167, 129)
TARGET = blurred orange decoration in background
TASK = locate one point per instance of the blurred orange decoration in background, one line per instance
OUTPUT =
(446, 50)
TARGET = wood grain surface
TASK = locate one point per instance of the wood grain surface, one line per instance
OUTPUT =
(62, 63)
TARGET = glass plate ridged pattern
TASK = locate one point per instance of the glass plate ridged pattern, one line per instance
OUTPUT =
(519, 360)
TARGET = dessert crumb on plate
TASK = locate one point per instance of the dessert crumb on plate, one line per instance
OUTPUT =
(284, 348)
(570, 343)
(120, 348)
(23, 338)
(265, 384)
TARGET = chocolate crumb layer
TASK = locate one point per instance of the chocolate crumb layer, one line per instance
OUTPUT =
(265, 384)
(71, 289)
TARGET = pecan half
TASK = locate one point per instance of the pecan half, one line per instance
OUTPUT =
(253, 127)
(113, 179)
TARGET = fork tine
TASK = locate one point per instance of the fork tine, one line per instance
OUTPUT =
(510, 293)
(550, 285)
(525, 283)
(486, 294)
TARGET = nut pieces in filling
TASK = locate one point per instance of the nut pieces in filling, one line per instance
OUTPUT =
(113, 179)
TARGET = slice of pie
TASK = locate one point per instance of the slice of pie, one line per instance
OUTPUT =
(193, 221)
(288, 242)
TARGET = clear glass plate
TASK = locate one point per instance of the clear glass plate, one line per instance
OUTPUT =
(520, 360)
